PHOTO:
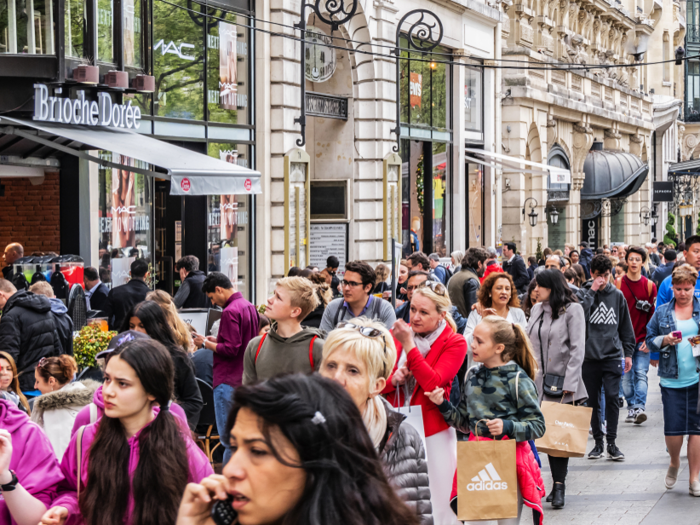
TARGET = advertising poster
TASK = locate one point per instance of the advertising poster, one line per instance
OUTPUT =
(123, 208)
(416, 89)
(121, 270)
(229, 208)
(228, 73)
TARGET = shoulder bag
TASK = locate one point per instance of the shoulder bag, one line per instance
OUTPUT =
(552, 385)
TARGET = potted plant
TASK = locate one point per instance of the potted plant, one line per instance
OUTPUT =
(89, 342)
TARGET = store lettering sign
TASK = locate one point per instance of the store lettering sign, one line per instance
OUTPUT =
(415, 89)
(173, 49)
(124, 219)
(80, 111)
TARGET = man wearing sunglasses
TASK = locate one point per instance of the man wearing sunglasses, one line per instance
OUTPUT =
(357, 300)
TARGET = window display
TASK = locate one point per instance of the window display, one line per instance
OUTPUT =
(19, 34)
(125, 218)
(473, 101)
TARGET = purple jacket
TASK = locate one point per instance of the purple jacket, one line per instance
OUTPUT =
(67, 497)
(83, 417)
(239, 324)
(33, 458)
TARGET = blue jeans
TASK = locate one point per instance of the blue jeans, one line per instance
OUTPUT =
(223, 399)
(635, 381)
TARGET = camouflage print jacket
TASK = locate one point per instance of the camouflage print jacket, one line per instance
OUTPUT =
(490, 393)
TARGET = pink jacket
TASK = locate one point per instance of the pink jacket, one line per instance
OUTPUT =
(33, 458)
(83, 417)
(530, 480)
(67, 496)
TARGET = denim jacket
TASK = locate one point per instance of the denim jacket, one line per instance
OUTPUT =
(662, 323)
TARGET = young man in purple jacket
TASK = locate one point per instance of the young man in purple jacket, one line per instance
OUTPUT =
(239, 324)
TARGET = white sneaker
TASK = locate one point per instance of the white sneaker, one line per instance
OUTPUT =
(631, 415)
(639, 416)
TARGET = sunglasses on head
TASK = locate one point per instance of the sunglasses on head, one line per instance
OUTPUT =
(366, 331)
(435, 286)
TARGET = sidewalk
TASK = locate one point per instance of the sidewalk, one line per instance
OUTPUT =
(632, 492)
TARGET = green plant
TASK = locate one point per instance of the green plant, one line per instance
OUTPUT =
(91, 340)
(697, 229)
(538, 251)
(670, 237)
(262, 308)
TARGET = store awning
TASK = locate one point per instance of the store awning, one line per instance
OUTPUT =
(689, 167)
(499, 161)
(612, 175)
(190, 173)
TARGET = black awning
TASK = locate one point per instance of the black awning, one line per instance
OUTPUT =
(689, 167)
(612, 175)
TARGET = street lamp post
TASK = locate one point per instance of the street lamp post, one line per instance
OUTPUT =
(533, 214)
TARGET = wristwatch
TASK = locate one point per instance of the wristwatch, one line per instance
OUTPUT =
(12, 485)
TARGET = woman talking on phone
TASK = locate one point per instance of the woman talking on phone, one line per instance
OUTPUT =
(304, 436)
(672, 332)
(132, 465)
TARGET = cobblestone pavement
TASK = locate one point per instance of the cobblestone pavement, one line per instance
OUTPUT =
(632, 492)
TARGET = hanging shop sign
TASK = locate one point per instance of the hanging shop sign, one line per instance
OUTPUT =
(320, 56)
(663, 191)
(80, 111)
(321, 105)
(415, 89)
(590, 231)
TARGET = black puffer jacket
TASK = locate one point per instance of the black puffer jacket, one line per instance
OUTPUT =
(403, 459)
(28, 333)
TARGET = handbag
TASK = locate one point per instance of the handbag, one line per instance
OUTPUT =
(552, 385)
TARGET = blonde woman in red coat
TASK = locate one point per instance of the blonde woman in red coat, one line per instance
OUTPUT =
(430, 353)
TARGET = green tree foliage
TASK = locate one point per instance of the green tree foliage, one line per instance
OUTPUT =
(538, 251)
(697, 229)
(670, 237)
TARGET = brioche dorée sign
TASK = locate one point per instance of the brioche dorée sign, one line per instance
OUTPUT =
(80, 111)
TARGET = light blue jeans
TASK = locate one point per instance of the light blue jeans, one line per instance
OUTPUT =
(223, 399)
(635, 381)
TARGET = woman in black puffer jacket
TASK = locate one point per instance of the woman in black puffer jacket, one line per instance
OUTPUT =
(360, 355)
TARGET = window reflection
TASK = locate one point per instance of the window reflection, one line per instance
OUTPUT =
(105, 31)
(133, 40)
(178, 57)
(75, 29)
(440, 165)
(26, 27)
(475, 204)
(472, 99)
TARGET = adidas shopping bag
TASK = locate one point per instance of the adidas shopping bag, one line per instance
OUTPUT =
(567, 430)
(487, 480)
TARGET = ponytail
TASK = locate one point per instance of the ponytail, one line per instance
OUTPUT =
(516, 342)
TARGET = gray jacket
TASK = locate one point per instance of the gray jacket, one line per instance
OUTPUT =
(405, 466)
(378, 309)
(562, 343)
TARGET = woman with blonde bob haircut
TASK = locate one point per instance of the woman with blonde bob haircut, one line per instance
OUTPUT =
(360, 355)
(182, 334)
(430, 354)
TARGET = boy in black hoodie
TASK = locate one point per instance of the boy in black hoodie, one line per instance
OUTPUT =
(609, 337)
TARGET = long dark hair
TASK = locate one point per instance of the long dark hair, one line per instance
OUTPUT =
(561, 295)
(156, 325)
(527, 302)
(163, 468)
(345, 482)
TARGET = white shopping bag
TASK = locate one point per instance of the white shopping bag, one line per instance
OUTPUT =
(414, 417)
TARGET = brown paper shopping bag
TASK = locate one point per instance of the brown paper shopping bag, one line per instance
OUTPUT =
(487, 480)
(567, 430)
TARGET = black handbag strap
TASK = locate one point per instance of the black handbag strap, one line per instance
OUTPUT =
(539, 336)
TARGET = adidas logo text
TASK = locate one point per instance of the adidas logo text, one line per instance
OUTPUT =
(603, 315)
(488, 479)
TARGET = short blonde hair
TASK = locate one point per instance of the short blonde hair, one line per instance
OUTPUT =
(7, 286)
(42, 288)
(442, 302)
(684, 274)
(302, 294)
(370, 350)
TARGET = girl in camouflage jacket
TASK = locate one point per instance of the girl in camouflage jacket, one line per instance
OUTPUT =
(501, 391)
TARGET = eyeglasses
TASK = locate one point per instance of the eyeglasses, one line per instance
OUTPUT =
(435, 286)
(367, 331)
(351, 284)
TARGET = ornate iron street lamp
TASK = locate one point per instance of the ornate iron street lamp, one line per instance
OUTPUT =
(424, 35)
(533, 214)
(334, 13)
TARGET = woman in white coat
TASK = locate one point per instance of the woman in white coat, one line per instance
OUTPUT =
(497, 296)
(60, 399)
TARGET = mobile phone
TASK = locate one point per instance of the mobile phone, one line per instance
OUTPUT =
(223, 513)
(677, 334)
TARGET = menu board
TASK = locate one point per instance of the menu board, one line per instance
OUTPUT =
(326, 240)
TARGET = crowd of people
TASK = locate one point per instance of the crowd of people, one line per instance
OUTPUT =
(315, 398)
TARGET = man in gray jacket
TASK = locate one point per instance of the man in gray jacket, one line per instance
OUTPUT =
(609, 338)
(357, 301)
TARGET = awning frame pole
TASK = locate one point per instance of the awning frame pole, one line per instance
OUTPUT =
(9, 130)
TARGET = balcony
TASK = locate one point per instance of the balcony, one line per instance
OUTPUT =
(691, 113)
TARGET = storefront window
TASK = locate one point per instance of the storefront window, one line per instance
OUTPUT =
(125, 218)
(105, 31)
(475, 205)
(178, 57)
(227, 69)
(133, 36)
(228, 225)
(19, 34)
(617, 226)
(76, 28)
(440, 170)
(472, 100)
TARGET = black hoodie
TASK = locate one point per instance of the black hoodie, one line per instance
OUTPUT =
(190, 294)
(609, 330)
(28, 333)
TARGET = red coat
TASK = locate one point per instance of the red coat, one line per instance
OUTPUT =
(493, 268)
(530, 480)
(437, 369)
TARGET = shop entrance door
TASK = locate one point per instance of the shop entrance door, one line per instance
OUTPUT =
(168, 229)
(424, 187)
